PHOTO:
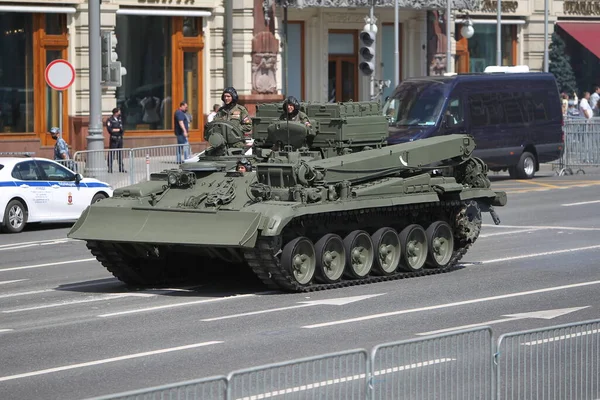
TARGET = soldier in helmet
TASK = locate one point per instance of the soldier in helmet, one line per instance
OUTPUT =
(291, 112)
(232, 111)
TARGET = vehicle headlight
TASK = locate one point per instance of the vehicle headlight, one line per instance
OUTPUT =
(172, 178)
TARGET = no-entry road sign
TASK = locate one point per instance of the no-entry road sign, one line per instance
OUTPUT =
(60, 74)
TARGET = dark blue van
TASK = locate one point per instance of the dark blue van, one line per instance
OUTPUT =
(515, 118)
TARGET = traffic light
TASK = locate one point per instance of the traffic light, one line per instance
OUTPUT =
(367, 52)
(112, 71)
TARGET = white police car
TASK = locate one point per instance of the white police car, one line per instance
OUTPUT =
(41, 190)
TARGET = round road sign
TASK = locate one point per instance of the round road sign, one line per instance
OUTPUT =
(60, 74)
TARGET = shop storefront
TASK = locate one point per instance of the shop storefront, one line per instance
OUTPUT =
(30, 39)
(164, 58)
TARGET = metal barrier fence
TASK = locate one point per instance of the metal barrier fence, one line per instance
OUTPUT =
(560, 362)
(213, 388)
(455, 365)
(340, 375)
(581, 146)
(122, 167)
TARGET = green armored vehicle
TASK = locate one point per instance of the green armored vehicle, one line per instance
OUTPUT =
(312, 208)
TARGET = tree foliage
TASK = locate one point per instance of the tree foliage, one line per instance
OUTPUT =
(560, 66)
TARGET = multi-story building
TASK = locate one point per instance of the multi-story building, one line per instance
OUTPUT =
(177, 50)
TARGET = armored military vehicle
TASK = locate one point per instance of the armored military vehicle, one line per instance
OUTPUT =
(313, 208)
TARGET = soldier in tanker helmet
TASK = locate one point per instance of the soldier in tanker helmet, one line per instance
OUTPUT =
(291, 112)
(232, 111)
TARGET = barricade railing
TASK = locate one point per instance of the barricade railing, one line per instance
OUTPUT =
(457, 365)
(123, 167)
(562, 362)
(581, 146)
(559, 362)
(212, 388)
(340, 375)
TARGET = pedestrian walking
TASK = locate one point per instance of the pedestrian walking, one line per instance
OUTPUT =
(116, 130)
(181, 128)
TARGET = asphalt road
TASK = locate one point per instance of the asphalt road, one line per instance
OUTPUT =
(69, 330)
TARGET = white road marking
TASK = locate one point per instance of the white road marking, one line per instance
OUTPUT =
(7, 295)
(562, 337)
(106, 360)
(189, 303)
(338, 302)
(344, 379)
(449, 305)
(14, 281)
(48, 264)
(5, 330)
(580, 203)
(68, 303)
(546, 314)
(508, 232)
(538, 227)
(37, 242)
(546, 253)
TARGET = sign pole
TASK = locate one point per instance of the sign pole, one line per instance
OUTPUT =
(60, 111)
(60, 75)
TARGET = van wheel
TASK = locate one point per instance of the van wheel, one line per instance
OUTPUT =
(526, 166)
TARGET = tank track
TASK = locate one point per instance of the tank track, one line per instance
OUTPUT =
(265, 264)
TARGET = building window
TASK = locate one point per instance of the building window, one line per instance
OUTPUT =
(144, 49)
(295, 60)
(343, 66)
(482, 46)
(16, 73)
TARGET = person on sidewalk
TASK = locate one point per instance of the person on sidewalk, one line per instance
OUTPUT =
(181, 127)
(61, 149)
(116, 129)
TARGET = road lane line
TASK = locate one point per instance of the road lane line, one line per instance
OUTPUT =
(68, 303)
(13, 281)
(449, 305)
(580, 203)
(270, 310)
(508, 232)
(539, 227)
(48, 264)
(189, 303)
(546, 253)
(540, 184)
(344, 379)
(107, 360)
(61, 240)
(5, 296)
(562, 337)
(5, 330)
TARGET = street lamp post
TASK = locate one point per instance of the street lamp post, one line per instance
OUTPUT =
(448, 38)
(499, 34)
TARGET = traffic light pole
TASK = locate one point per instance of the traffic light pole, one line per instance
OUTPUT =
(95, 164)
(372, 77)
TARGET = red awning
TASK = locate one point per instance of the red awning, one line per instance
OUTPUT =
(586, 33)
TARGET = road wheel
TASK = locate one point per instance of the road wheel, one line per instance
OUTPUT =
(387, 251)
(359, 254)
(97, 197)
(441, 244)
(298, 258)
(413, 241)
(331, 258)
(526, 166)
(15, 217)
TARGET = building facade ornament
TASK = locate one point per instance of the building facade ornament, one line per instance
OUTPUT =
(506, 6)
(265, 48)
(582, 7)
(471, 5)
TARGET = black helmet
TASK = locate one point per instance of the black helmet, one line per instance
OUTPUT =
(232, 92)
(293, 101)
